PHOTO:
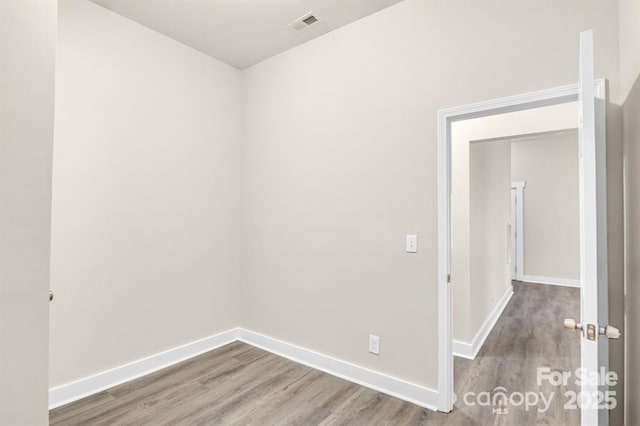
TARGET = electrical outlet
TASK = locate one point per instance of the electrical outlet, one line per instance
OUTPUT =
(374, 344)
(412, 243)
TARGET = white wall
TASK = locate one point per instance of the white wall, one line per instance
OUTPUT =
(630, 72)
(549, 165)
(145, 193)
(340, 164)
(468, 313)
(489, 241)
(629, 30)
(27, 58)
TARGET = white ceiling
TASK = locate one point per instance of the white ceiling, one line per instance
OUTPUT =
(242, 32)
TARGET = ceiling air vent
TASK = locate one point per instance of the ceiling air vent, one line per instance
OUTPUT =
(303, 22)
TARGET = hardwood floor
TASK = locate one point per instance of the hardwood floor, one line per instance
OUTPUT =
(528, 335)
(242, 385)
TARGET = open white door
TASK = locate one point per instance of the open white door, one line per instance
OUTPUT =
(593, 231)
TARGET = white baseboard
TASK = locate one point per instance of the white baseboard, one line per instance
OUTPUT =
(470, 350)
(566, 282)
(463, 349)
(82, 388)
(399, 388)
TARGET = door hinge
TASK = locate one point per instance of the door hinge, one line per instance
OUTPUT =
(449, 278)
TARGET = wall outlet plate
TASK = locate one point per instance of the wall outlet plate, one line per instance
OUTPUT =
(412, 243)
(374, 344)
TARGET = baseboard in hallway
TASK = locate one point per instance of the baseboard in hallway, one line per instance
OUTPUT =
(470, 350)
(565, 282)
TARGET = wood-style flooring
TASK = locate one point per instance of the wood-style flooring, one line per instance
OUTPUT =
(242, 385)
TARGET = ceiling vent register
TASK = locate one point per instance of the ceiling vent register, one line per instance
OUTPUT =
(303, 22)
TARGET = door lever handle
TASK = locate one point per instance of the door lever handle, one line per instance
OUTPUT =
(571, 324)
(609, 331)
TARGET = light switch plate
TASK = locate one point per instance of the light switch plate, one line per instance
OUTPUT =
(374, 344)
(412, 243)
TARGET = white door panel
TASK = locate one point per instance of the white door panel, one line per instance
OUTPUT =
(593, 232)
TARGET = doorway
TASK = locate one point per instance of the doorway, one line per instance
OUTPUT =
(591, 94)
(504, 330)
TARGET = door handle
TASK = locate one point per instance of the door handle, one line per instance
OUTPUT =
(571, 324)
(609, 331)
(50, 295)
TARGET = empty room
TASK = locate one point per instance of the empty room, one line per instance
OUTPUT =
(319, 212)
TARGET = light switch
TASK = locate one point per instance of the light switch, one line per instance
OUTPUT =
(374, 344)
(412, 243)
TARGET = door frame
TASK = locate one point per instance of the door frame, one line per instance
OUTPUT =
(547, 97)
(518, 229)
